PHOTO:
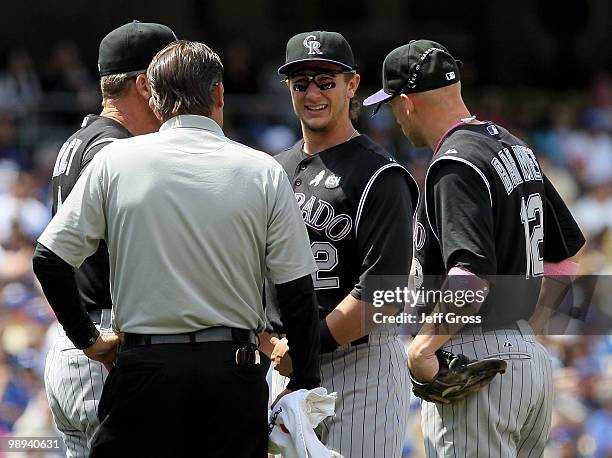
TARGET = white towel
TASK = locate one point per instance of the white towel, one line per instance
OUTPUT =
(293, 420)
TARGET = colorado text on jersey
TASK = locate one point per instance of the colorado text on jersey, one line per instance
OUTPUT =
(324, 218)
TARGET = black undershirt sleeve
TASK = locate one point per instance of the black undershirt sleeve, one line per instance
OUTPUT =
(562, 236)
(58, 282)
(298, 309)
(462, 217)
(384, 235)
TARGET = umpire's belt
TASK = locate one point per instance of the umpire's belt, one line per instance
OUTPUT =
(214, 334)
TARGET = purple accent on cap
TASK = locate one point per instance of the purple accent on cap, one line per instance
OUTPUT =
(378, 97)
(282, 68)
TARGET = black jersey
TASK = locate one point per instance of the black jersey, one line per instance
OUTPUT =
(485, 209)
(357, 203)
(96, 132)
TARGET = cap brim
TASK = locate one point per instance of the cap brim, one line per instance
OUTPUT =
(284, 68)
(378, 97)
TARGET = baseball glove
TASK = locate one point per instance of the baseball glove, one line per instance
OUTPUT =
(457, 378)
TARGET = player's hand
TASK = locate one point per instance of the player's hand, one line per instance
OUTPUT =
(280, 356)
(278, 398)
(104, 350)
(424, 366)
(265, 344)
(285, 366)
(281, 346)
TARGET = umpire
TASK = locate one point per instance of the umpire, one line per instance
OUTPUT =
(193, 222)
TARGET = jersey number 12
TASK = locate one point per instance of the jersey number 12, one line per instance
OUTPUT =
(532, 211)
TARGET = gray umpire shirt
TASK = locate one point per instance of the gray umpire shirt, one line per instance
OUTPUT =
(193, 222)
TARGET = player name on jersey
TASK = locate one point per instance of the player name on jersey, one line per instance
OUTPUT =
(508, 172)
(321, 216)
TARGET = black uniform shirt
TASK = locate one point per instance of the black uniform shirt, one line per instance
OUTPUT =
(96, 132)
(357, 203)
(485, 209)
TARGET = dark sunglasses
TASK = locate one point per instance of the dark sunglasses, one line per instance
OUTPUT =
(323, 81)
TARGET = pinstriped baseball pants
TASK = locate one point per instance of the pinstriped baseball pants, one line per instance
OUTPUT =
(373, 388)
(73, 383)
(508, 418)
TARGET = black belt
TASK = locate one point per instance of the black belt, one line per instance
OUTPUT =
(214, 334)
(361, 340)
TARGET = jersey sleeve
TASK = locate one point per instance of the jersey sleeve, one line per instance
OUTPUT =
(103, 139)
(562, 236)
(384, 235)
(76, 229)
(288, 253)
(461, 216)
(91, 152)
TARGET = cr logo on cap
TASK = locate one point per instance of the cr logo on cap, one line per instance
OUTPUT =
(311, 43)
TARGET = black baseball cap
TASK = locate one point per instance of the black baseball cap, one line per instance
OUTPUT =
(132, 46)
(419, 66)
(319, 46)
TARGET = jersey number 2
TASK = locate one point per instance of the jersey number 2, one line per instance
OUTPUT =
(326, 257)
(532, 211)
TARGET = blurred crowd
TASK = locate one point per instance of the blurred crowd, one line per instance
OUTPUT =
(41, 104)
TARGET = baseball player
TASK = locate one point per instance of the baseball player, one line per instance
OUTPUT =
(481, 226)
(357, 203)
(74, 382)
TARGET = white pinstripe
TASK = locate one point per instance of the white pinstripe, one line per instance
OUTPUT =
(512, 429)
(73, 384)
(373, 390)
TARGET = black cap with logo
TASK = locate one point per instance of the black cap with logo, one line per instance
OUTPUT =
(318, 46)
(419, 66)
(132, 46)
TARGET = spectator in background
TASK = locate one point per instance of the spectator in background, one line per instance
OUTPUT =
(20, 90)
(12, 158)
(600, 111)
(13, 398)
(491, 106)
(599, 424)
(549, 135)
(23, 217)
(70, 85)
(598, 150)
(238, 69)
(275, 138)
(563, 180)
(594, 209)
(566, 429)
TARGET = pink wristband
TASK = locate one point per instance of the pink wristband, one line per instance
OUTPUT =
(463, 279)
(567, 270)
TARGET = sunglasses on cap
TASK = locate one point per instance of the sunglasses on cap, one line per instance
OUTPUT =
(387, 101)
(323, 81)
(413, 76)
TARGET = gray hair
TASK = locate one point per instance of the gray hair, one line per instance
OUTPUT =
(181, 77)
(113, 86)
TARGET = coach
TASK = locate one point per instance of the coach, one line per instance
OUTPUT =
(193, 222)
